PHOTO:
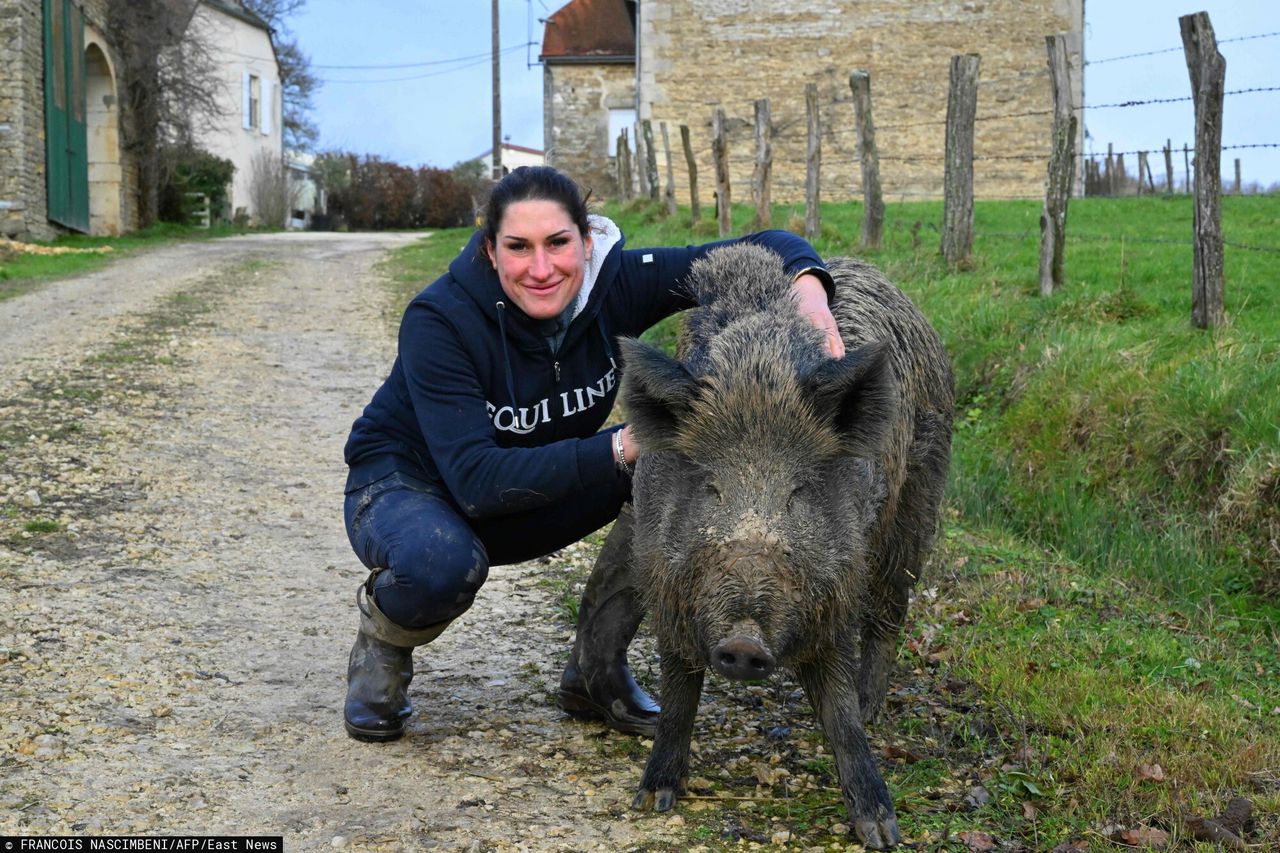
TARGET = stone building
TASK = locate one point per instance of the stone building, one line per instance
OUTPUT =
(589, 88)
(693, 56)
(61, 165)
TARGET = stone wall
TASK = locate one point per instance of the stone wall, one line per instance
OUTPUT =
(22, 178)
(23, 193)
(577, 98)
(696, 55)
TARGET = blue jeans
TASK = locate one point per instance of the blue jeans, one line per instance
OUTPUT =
(431, 560)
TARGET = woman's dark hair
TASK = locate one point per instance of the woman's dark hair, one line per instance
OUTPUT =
(533, 183)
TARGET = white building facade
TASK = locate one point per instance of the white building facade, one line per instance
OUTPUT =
(249, 130)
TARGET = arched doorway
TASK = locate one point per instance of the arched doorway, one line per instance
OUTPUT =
(103, 120)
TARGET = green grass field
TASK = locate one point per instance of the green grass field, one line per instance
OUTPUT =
(1108, 583)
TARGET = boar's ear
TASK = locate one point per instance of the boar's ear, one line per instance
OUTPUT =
(657, 391)
(858, 394)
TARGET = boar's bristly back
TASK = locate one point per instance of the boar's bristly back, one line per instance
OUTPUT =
(733, 282)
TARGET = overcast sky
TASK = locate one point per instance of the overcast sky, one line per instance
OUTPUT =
(436, 110)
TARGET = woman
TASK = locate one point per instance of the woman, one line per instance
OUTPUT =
(483, 446)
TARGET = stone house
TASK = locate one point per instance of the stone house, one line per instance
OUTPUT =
(61, 165)
(693, 56)
(589, 88)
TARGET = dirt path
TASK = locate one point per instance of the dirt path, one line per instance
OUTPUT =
(176, 586)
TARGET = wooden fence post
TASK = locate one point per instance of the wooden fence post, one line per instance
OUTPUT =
(650, 160)
(1208, 71)
(720, 153)
(1119, 177)
(624, 166)
(1168, 166)
(813, 164)
(1142, 169)
(1062, 160)
(1239, 185)
(642, 174)
(695, 205)
(872, 194)
(1186, 165)
(669, 194)
(763, 175)
(957, 209)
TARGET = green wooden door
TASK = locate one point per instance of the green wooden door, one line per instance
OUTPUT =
(66, 135)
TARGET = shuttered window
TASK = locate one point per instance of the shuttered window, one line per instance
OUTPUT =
(268, 105)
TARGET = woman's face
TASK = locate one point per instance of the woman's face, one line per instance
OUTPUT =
(540, 257)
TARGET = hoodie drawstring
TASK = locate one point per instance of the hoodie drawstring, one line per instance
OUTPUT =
(608, 349)
(506, 358)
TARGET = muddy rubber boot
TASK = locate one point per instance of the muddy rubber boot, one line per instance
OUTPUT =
(379, 671)
(597, 683)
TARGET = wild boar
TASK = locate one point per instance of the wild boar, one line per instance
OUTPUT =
(785, 502)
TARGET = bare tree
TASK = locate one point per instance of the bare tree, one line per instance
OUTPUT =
(170, 87)
(297, 83)
(271, 193)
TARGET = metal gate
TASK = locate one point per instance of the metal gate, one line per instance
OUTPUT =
(66, 136)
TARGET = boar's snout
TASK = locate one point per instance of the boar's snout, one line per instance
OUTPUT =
(743, 656)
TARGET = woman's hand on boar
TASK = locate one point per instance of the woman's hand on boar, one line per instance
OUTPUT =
(630, 447)
(811, 300)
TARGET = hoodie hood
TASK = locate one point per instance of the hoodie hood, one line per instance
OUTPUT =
(476, 277)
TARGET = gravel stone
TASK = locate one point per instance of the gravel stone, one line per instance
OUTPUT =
(178, 591)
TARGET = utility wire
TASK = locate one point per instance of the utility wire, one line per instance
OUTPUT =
(486, 58)
(485, 55)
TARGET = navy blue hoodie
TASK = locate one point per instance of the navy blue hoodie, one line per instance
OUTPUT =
(477, 401)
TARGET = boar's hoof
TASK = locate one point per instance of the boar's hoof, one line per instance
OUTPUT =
(877, 834)
(660, 800)
(742, 658)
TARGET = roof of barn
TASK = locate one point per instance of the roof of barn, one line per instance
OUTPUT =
(591, 30)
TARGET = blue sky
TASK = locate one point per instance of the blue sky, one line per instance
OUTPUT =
(439, 113)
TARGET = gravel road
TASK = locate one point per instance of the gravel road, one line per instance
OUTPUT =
(176, 589)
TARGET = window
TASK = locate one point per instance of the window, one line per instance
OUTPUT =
(255, 101)
(620, 120)
(252, 101)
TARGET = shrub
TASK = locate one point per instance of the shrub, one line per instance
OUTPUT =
(375, 194)
(192, 170)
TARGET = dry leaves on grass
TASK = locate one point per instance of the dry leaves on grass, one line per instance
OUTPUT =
(1150, 773)
(1147, 837)
(18, 248)
(975, 840)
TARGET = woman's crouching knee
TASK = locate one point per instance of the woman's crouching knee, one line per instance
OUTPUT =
(439, 585)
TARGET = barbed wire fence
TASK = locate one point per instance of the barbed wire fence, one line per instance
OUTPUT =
(1091, 172)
